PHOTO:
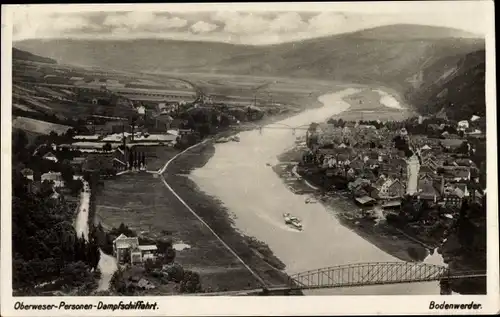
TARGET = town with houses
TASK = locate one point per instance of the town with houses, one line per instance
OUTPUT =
(436, 164)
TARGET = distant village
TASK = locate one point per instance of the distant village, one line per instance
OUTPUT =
(108, 144)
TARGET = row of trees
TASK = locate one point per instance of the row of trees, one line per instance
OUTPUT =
(44, 242)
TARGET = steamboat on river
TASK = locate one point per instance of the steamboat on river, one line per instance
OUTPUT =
(293, 221)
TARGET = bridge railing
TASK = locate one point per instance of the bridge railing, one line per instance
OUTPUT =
(359, 274)
(379, 273)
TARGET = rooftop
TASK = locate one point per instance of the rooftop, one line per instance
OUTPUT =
(125, 242)
(148, 247)
(51, 176)
(86, 137)
(364, 200)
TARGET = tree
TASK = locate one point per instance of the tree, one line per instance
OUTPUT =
(45, 246)
(191, 282)
(46, 189)
(19, 140)
(20, 152)
(175, 272)
(107, 147)
(66, 172)
(463, 148)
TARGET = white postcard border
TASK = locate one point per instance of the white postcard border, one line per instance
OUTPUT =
(296, 305)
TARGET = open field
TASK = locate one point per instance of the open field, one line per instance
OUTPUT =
(38, 126)
(23, 107)
(290, 93)
(146, 206)
(156, 156)
(366, 105)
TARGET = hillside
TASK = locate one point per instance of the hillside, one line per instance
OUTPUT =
(398, 56)
(18, 54)
(133, 55)
(411, 31)
(454, 85)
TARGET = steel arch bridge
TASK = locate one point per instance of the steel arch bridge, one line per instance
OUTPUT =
(376, 273)
(356, 275)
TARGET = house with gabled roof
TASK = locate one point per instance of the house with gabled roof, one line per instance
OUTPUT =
(426, 169)
(54, 177)
(457, 173)
(451, 144)
(379, 182)
(127, 249)
(391, 188)
(433, 127)
(28, 173)
(431, 161)
(453, 198)
(464, 162)
(462, 189)
(429, 188)
(51, 157)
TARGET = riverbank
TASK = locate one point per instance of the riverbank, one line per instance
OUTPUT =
(240, 176)
(126, 199)
(251, 198)
(367, 104)
(403, 241)
(254, 252)
(374, 230)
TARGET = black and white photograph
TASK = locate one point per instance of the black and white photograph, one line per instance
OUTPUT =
(308, 151)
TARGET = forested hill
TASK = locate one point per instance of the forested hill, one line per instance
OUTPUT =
(417, 61)
(453, 85)
(18, 54)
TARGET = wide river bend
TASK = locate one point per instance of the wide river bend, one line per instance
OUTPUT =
(238, 175)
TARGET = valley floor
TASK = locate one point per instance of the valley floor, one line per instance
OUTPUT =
(140, 201)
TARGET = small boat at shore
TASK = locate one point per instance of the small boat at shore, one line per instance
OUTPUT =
(311, 201)
(235, 138)
(222, 140)
(292, 221)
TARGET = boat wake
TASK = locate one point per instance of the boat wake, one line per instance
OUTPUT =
(276, 223)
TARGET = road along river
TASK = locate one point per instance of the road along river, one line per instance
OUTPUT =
(239, 176)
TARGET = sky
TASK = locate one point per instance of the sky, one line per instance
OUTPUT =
(238, 23)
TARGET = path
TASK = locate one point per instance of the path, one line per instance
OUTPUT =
(413, 169)
(161, 171)
(107, 264)
(81, 224)
(294, 171)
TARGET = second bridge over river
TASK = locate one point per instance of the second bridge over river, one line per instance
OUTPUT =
(272, 126)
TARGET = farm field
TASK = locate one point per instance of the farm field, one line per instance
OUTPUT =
(366, 105)
(264, 91)
(156, 156)
(37, 126)
(142, 202)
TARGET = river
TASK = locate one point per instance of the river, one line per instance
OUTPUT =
(239, 176)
